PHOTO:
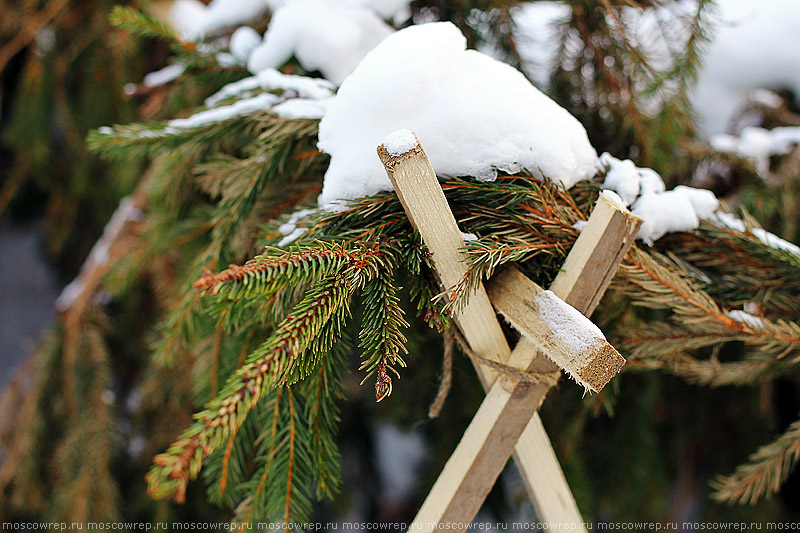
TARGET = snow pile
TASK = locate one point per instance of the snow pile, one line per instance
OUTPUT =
(680, 209)
(243, 41)
(323, 35)
(472, 114)
(193, 20)
(758, 144)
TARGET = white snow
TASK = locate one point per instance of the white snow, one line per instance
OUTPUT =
(664, 213)
(469, 236)
(622, 177)
(746, 318)
(472, 114)
(400, 142)
(756, 46)
(535, 36)
(290, 230)
(242, 107)
(187, 18)
(757, 144)
(293, 236)
(726, 220)
(680, 209)
(572, 329)
(223, 13)
(98, 256)
(579, 225)
(164, 76)
(326, 36)
(243, 41)
(273, 80)
(296, 108)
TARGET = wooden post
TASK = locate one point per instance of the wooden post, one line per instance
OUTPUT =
(461, 491)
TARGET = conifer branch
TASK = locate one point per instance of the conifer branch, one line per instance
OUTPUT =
(764, 473)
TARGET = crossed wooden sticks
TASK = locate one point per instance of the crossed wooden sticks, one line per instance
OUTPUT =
(507, 421)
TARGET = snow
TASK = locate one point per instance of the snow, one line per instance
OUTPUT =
(290, 230)
(239, 108)
(273, 80)
(566, 323)
(472, 114)
(571, 328)
(326, 36)
(297, 108)
(469, 236)
(757, 144)
(98, 256)
(224, 13)
(726, 220)
(400, 142)
(293, 236)
(623, 178)
(680, 209)
(164, 76)
(187, 17)
(535, 35)
(579, 225)
(746, 318)
(756, 46)
(243, 41)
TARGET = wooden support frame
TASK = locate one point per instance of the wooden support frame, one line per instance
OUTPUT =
(507, 417)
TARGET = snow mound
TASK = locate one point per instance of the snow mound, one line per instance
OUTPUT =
(323, 35)
(662, 212)
(243, 41)
(472, 114)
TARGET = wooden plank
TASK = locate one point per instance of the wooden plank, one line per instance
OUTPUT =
(533, 454)
(551, 497)
(424, 201)
(561, 332)
(477, 461)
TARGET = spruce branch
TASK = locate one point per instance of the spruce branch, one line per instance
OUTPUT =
(381, 338)
(764, 473)
(263, 369)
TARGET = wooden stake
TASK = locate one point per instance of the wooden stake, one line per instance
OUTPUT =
(414, 179)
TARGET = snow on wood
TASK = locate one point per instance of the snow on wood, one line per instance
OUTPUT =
(473, 114)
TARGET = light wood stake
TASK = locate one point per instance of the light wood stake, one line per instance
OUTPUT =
(509, 405)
